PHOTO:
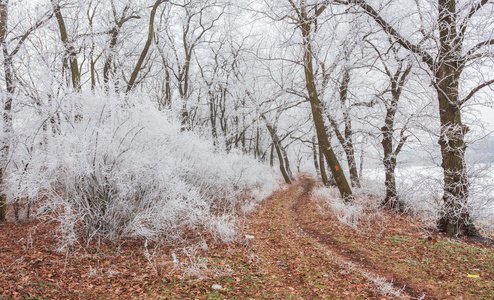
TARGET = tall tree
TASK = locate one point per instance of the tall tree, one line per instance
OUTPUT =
(6, 117)
(70, 50)
(345, 138)
(145, 50)
(397, 80)
(305, 22)
(446, 65)
(10, 48)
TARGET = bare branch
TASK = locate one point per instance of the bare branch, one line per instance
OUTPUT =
(472, 12)
(369, 10)
(21, 39)
(477, 47)
(475, 90)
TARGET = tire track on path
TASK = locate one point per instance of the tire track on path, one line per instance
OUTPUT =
(298, 265)
(303, 209)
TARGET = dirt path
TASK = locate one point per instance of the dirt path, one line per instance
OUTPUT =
(305, 214)
(303, 267)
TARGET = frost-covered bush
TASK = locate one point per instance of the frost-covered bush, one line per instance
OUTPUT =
(118, 167)
(481, 192)
(420, 190)
(348, 214)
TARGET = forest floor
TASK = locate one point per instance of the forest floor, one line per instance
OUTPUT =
(292, 249)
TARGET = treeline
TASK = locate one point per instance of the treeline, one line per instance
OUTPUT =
(319, 85)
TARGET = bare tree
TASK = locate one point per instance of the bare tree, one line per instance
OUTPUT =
(304, 22)
(446, 65)
(345, 138)
(198, 19)
(119, 19)
(145, 50)
(70, 50)
(10, 48)
(397, 80)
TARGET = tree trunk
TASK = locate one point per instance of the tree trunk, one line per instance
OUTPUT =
(322, 136)
(7, 122)
(279, 151)
(455, 219)
(109, 60)
(347, 142)
(69, 48)
(7, 125)
(271, 156)
(257, 149)
(282, 165)
(398, 80)
(315, 156)
(6, 116)
(145, 51)
(213, 114)
(322, 167)
(389, 161)
(287, 163)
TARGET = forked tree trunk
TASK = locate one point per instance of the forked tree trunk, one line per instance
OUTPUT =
(322, 168)
(287, 162)
(398, 80)
(316, 156)
(69, 48)
(282, 165)
(322, 136)
(347, 141)
(279, 151)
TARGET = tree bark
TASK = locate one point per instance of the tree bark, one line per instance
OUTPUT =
(287, 162)
(389, 161)
(145, 50)
(398, 80)
(271, 156)
(7, 114)
(281, 162)
(322, 168)
(6, 117)
(456, 218)
(316, 156)
(347, 142)
(69, 48)
(322, 136)
(284, 165)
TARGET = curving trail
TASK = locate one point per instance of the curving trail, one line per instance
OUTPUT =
(299, 265)
(305, 263)
(305, 215)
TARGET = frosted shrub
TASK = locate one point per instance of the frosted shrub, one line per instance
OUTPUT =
(371, 192)
(481, 192)
(348, 214)
(118, 167)
(420, 190)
